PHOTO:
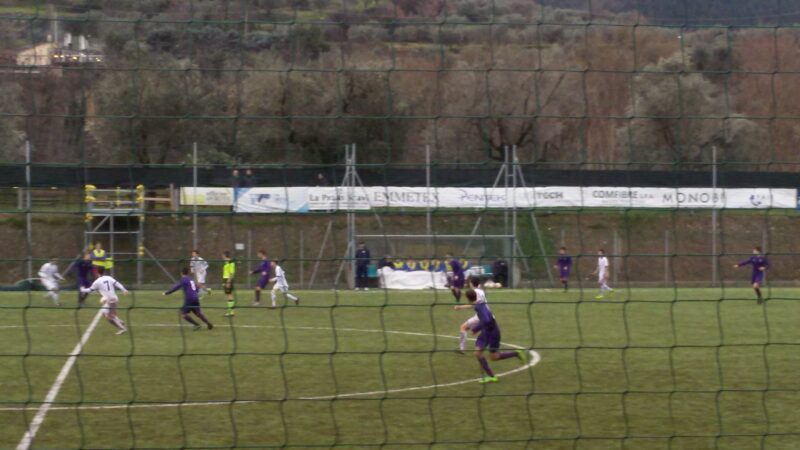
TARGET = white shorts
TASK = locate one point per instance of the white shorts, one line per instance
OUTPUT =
(200, 277)
(109, 306)
(472, 322)
(601, 277)
(50, 284)
(281, 287)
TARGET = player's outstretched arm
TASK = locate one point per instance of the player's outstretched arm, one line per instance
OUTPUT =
(119, 286)
(174, 288)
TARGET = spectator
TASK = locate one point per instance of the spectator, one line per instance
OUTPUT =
(249, 179)
(322, 181)
(500, 272)
(386, 261)
(362, 264)
(235, 179)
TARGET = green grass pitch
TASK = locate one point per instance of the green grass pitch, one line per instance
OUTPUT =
(648, 369)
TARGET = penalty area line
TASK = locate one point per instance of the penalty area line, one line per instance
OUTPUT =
(41, 413)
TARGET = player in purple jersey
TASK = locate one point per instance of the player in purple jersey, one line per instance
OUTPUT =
(263, 270)
(489, 337)
(83, 269)
(457, 277)
(760, 266)
(564, 266)
(191, 300)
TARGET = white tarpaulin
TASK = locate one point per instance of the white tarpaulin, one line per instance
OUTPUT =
(398, 279)
(302, 199)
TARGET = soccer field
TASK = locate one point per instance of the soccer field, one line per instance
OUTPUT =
(646, 369)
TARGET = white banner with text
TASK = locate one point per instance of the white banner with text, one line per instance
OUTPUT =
(304, 199)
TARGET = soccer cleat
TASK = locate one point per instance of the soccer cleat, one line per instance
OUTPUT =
(460, 351)
(122, 331)
(523, 356)
(487, 379)
(229, 314)
(196, 327)
(760, 301)
(297, 302)
(210, 326)
(600, 297)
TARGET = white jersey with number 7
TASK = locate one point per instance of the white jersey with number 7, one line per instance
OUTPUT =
(106, 286)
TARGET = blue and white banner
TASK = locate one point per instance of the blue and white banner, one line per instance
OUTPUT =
(271, 200)
(304, 199)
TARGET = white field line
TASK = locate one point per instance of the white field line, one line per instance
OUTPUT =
(535, 358)
(41, 413)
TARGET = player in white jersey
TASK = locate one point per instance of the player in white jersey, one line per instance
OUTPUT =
(281, 285)
(199, 268)
(603, 272)
(107, 287)
(473, 321)
(49, 276)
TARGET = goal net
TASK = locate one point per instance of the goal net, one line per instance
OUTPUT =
(655, 141)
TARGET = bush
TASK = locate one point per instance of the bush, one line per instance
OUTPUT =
(309, 41)
(368, 34)
(475, 10)
(162, 40)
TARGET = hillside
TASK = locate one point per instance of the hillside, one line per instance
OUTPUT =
(292, 81)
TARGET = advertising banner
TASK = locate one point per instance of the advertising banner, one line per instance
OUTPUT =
(271, 200)
(337, 198)
(304, 199)
(207, 196)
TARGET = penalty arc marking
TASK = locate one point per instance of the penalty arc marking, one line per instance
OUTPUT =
(535, 358)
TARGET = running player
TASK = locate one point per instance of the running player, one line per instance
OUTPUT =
(49, 276)
(489, 337)
(457, 277)
(228, 273)
(107, 286)
(263, 269)
(564, 266)
(281, 285)
(603, 272)
(473, 321)
(760, 266)
(199, 268)
(83, 269)
(191, 300)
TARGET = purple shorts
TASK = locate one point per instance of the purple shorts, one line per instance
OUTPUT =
(457, 281)
(262, 282)
(84, 282)
(564, 273)
(190, 306)
(489, 339)
(758, 277)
